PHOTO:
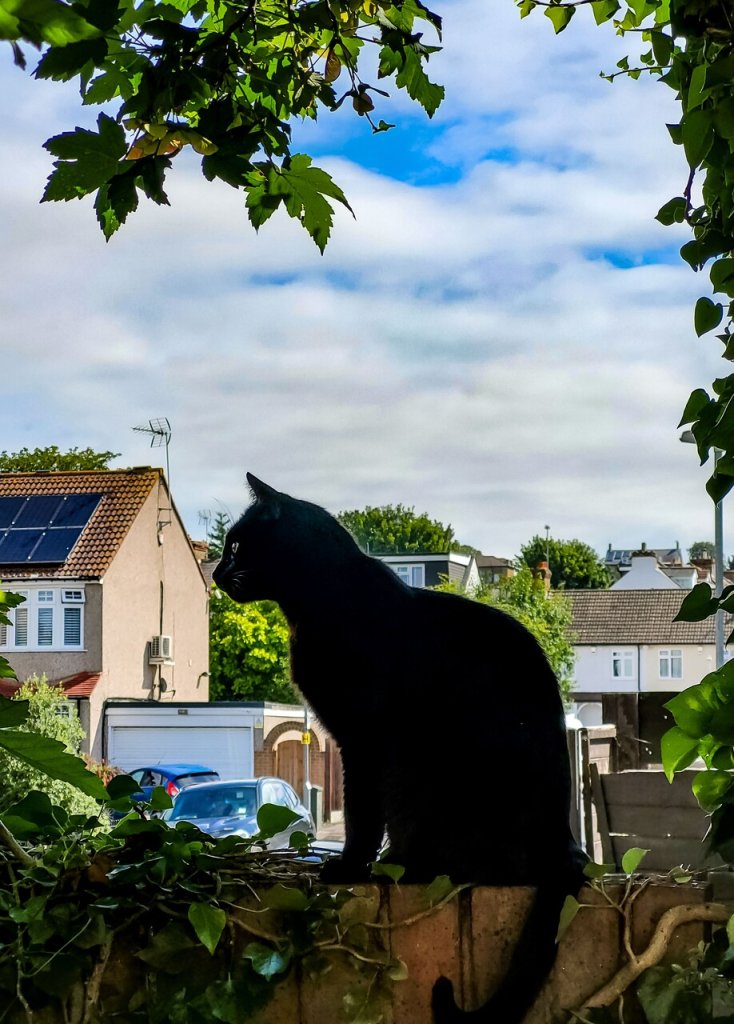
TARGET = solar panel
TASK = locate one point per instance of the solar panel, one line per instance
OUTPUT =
(38, 510)
(76, 510)
(9, 508)
(42, 528)
(55, 544)
(17, 545)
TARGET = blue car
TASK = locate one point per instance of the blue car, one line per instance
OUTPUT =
(173, 778)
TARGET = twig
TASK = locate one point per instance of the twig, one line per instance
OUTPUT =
(8, 840)
(421, 914)
(667, 924)
(95, 981)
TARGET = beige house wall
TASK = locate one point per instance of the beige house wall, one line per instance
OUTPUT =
(154, 586)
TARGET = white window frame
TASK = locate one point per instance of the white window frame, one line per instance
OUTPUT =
(33, 613)
(667, 659)
(412, 573)
(625, 658)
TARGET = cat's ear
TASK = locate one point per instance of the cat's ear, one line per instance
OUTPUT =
(264, 494)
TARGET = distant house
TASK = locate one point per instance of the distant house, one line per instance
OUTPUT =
(116, 604)
(655, 568)
(627, 643)
(493, 569)
(422, 570)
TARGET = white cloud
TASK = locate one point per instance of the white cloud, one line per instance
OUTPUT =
(469, 347)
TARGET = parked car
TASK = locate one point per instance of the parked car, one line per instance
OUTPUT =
(173, 778)
(230, 808)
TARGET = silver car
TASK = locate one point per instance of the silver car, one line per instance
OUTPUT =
(229, 808)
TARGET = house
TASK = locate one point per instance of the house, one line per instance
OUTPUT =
(663, 567)
(116, 605)
(493, 569)
(428, 570)
(631, 657)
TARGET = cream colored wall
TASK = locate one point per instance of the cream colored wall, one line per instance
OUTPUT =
(60, 664)
(698, 660)
(152, 588)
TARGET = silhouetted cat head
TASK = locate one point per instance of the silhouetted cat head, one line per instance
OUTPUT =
(279, 547)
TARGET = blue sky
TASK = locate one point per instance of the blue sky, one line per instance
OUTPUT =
(501, 337)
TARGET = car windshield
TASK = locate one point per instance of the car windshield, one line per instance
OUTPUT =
(194, 778)
(224, 802)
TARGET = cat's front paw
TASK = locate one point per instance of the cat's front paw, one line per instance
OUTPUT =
(344, 871)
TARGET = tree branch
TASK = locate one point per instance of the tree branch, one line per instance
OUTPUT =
(9, 841)
(667, 924)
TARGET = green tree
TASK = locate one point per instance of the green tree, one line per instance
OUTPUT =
(248, 652)
(701, 549)
(574, 565)
(397, 530)
(50, 459)
(217, 534)
(224, 79)
(47, 716)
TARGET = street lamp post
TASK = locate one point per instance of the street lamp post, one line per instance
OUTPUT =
(688, 438)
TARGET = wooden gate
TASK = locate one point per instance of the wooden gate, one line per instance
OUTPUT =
(288, 763)
(333, 781)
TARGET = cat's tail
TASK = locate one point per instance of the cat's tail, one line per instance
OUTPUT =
(532, 960)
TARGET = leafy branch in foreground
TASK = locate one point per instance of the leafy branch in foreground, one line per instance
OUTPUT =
(222, 77)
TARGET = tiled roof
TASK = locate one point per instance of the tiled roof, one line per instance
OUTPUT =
(79, 685)
(123, 493)
(636, 617)
(491, 561)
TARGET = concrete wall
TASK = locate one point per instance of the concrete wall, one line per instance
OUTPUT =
(470, 940)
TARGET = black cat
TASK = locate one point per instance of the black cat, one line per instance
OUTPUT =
(447, 715)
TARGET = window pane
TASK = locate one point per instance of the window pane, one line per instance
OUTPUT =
(402, 571)
(21, 627)
(72, 627)
(45, 596)
(3, 636)
(417, 576)
(676, 664)
(45, 627)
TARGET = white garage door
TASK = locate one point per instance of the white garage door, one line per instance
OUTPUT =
(226, 749)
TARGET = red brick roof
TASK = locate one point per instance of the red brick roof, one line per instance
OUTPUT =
(79, 685)
(123, 493)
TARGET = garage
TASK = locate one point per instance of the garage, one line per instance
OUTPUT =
(219, 736)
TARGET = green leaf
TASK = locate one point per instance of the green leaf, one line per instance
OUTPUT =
(160, 800)
(693, 709)
(698, 400)
(632, 858)
(439, 889)
(87, 159)
(677, 750)
(121, 786)
(43, 21)
(709, 788)
(697, 91)
(707, 315)
(700, 602)
(165, 948)
(604, 10)
(50, 757)
(559, 17)
(697, 129)
(569, 910)
(592, 870)
(283, 897)
(33, 815)
(398, 971)
(62, 63)
(392, 871)
(722, 276)
(273, 819)
(413, 78)
(208, 922)
(12, 712)
(673, 212)
(662, 47)
(265, 960)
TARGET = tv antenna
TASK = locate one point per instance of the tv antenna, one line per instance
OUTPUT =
(160, 434)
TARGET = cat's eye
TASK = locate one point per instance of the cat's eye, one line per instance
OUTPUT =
(233, 547)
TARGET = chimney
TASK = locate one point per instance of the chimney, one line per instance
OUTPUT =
(542, 572)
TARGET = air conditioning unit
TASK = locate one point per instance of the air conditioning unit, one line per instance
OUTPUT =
(161, 650)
